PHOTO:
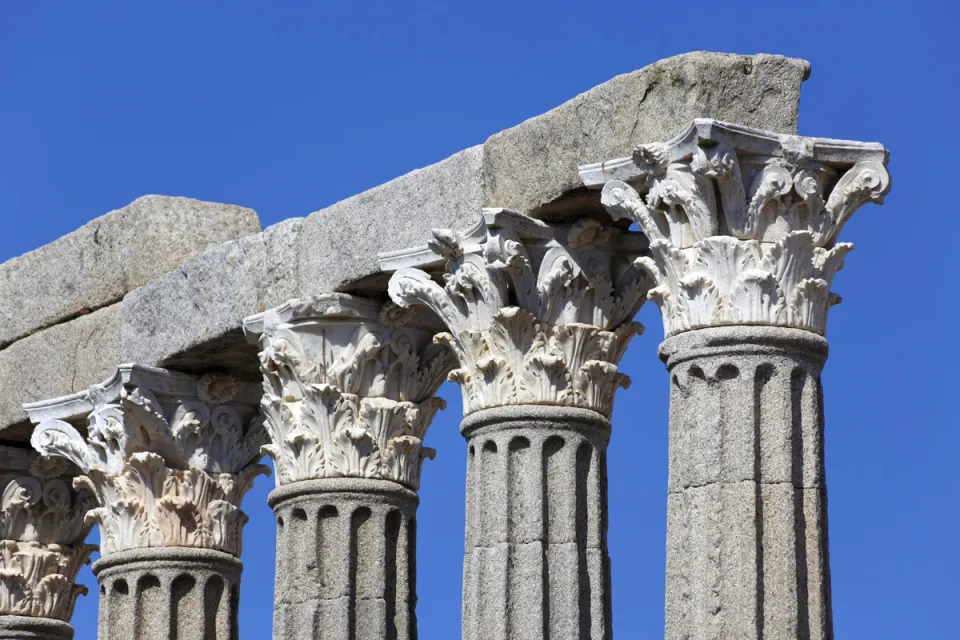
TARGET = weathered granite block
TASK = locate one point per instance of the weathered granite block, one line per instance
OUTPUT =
(101, 261)
(340, 244)
(533, 164)
(59, 360)
(190, 318)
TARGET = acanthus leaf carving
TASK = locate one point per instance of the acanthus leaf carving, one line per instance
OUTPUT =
(743, 224)
(167, 456)
(529, 305)
(38, 580)
(346, 393)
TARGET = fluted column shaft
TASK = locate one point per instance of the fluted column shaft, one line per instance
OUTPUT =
(536, 563)
(168, 593)
(346, 560)
(747, 508)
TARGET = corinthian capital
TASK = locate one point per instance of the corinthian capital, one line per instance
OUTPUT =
(348, 388)
(537, 313)
(42, 532)
(168, 456)
(743, 224)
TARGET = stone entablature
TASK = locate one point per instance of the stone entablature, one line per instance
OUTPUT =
(537, 313)
(742, 223)
(168, 456)
(348, 388)
(173, 319)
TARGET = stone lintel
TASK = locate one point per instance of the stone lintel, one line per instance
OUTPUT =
(97, 264)
(189, 319)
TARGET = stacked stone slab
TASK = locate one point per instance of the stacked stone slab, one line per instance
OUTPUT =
(348, 396)
(168, 458)
(743, 228)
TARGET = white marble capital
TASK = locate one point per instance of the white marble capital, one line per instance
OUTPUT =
(42, 533)
(168, 456)
(536, 312)
(743, 224)
(349, 388)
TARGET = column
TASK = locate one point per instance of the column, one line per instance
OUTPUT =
(168, 457)
(538, 316)
(349, 389)
(42, 533)
(743, 228)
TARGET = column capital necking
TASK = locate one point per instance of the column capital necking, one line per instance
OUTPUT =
(349, 388)
(169, 456)
(536, 312)
(743, 223)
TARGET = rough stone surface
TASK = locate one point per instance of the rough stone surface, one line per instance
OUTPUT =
(340, 244)
(535, 163)
(536, 563)
(190, 318)
(56, 361)
(346, 560)
(98, 263)
(27, 628)
(175, 593)
(746, 509)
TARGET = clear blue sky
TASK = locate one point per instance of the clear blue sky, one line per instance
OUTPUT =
(287, 107)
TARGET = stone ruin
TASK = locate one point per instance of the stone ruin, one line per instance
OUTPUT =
(150, 358)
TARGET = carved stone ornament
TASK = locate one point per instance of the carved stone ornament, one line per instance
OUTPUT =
(348, 388)
(42, 532)
(743, 224)
(168, 456)
(537, 313)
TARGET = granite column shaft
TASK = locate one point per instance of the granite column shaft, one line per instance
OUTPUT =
(169, 593)
(346, 560)
(747, 544)
(536, 562)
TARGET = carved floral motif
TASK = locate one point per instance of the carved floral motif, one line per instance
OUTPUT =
(42, 530)
(742, 223)
(38, 579)
(167, 469)
(348, 389)
(47, 511)
(537, 313)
